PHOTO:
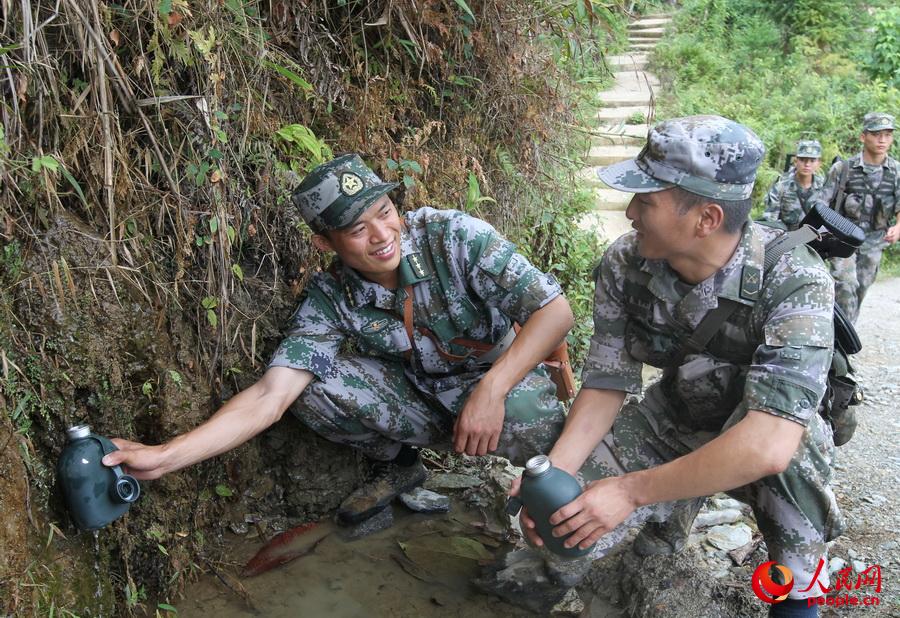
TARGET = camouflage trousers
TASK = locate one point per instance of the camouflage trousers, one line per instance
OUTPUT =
(796, 511)
(854, 275)
(372, 405)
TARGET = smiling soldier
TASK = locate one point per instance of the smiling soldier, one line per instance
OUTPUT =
(428, 301)
(736, 407)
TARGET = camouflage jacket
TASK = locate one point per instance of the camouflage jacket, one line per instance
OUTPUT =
(773, 353)
(787, 202)
(870, 199)
(467, 281)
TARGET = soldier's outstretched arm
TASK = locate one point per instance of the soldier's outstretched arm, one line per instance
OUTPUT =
(761, 444)
(480, 422)
(242, 417)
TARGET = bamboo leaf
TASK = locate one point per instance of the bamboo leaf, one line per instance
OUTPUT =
(291, 75)
(465, 7)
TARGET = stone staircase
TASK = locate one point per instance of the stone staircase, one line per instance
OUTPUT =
(621, 125)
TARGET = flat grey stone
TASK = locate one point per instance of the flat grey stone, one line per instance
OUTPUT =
(714, 518)
(729, 537)
(378, 522)
(422, 500)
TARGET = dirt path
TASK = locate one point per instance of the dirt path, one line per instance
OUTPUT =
(868, 467)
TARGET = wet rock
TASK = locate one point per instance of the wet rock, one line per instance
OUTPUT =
(452, 480)
(425, 501)
(519, 577)
(240, 528)
(729, 537)
(570, 605)
(714, 518)
(378, 522)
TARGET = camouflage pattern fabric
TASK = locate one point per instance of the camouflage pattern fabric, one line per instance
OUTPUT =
(872, 200)
(877, 121)
(788, 202)
(707, 155)
(810, 149)
(371, 405)
(772, 355)
(334, 194)
(467, 281)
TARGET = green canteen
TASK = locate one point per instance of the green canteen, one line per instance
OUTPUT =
(96, 495)
(545, 489)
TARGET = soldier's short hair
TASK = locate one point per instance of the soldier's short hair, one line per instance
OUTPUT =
(736, 211)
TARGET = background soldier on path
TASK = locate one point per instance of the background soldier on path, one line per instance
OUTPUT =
(790, 197)
(428, 301)
(866, 190)
(739, 414)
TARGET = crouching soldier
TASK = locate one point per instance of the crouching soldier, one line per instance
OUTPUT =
(736, 408)
(428, 301)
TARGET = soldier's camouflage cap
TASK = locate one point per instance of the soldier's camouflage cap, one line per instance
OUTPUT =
(877, 121)
(707, 155)
(809, 149)
(334, 194)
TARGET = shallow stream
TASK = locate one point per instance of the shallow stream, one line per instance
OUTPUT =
(418, 567)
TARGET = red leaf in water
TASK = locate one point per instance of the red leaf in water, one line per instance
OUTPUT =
(287, 546)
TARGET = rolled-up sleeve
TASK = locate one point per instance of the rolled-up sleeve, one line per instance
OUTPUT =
(788, 376)
(313, 338)
(608, 364)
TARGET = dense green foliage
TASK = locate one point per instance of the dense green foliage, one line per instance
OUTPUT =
(803, 69)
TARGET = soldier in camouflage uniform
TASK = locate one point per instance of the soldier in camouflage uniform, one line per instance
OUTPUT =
(739, 414)
(871, 199)
(790, 197)
(427, 303)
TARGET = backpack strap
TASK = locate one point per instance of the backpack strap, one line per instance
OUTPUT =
(716, 318)
(838, 202)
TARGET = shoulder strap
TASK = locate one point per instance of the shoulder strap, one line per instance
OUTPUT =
(842, 186)
(716, 318)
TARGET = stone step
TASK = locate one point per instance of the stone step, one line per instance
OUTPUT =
(649, 23)
(619, 133)
(649, 35)
(641, 47)
(625, 98)
(607, 155)
(608, 225)
(635, 79)
(610, 200)
(657, 16)
(631, 62)
(611, 115)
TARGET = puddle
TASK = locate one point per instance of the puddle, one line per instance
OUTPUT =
(372, 576)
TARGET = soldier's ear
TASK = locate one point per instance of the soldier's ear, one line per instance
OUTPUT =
(711, 219)
(322, 243)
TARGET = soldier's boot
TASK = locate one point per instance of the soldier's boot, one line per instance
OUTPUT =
(670, 536)
(388, 479)
(523, 578)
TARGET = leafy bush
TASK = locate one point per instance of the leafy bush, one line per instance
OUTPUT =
(768, 65)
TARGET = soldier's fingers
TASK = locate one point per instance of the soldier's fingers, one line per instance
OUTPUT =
(571, 524)
(568, 511)
(494, 442)
(583, 533)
